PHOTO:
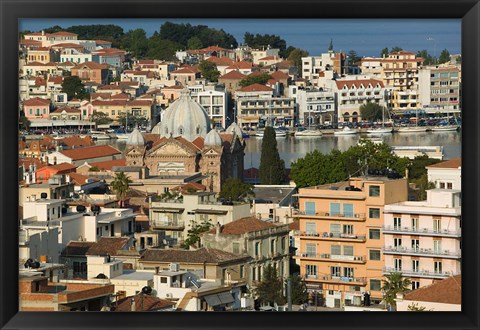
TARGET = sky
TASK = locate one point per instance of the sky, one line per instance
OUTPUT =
(366, 36)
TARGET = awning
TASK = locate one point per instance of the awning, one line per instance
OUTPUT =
(167, 210)
(203, 211)
(219, 299)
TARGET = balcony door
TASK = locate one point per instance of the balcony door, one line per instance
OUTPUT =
(397, 223)
(415, 265)
(437, 246)
(415, 245)
(397, 263)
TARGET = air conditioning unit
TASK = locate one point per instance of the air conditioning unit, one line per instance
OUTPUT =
(169, 295)
(118, 214)
(174, 267)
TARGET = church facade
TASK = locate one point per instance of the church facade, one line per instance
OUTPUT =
(183, 143)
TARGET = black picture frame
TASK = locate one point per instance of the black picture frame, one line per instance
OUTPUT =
(466, 10)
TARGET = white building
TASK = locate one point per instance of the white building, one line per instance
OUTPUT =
(447, 174)
(314, 106)
(213, 101)
(423, 239)
(73, 55)
(257, 54)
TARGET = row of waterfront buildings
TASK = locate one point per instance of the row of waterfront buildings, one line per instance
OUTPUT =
(328, 90)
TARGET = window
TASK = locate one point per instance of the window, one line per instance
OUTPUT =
(437, 225)
(374, 213)
(272, 246)
(414, 224)
(334, 208)
(415, 265)
(397, 242)
(374, 191)
(415, 285)
(348, 229)
(311, 249)
(374, 255)
(348, 210)
(397, 223)
(254, 273)
(257, 248)
(415, 244)
(283, 244)
(374, 233)
(375, 285)
(335, 228)
(442, 185)
(309, 207)
(311, 270)
(348, 272)
(449, 185)
(149, 241)
(437, 246)
(242, 271)
(437, 267)
(397, 264)
(310, 228)
(236, 247)
(348, 250)
(335, 271)
(163, 279)
(335, 250)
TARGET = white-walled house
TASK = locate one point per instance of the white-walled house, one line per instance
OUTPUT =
(423, 239)
(447, 174)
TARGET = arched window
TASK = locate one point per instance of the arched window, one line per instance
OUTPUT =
(166, 130)
(180, 130)
(198, 130)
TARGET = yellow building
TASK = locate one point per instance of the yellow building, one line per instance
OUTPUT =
(340, 237)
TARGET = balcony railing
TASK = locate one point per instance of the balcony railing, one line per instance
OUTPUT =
(355, 216)
(356, 259)
(420, 231)
(167, 224)
(418, 273)
(327, 235)
(347, 279)
(421, 251)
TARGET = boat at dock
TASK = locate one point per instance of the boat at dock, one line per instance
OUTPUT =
(346, 131)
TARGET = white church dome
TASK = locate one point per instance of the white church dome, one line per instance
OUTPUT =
(135, 138)
(213, 139)
(185, 118)
(234, 128)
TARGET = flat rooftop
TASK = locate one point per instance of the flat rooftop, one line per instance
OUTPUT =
(135, 275)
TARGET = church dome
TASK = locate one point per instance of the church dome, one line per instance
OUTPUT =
(156, 129)
(185, 118)
(135, 138)
(213, 139)
(234, 128)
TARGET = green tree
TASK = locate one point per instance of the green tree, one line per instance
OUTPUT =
(136, 42)
(444, 56)
(100, 118)
(414, 307)
(264, 40)
(209, 71)
(131, 120)
(255, 79)
(194, 43)
(121, 185)
(354, 58)
(195, 231)
(418, 166)
(396, 49)
(384, 52)
(295, 57)
(74, 88)
(394, 283)
(182, 33)
(299, 290)
(270, 289)
(371, 111)
(272, 167)
(24, 123)
(427, 58)
(161, 49)
(422, 184)
(234, 189)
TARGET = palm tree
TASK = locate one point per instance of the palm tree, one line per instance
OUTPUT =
(121, 184)
(394, 283)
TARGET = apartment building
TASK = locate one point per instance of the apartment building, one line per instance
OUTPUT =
(439, 89)
(340, 251)
(447, 174)
(215, 104)
(314, 106)
(399, 73)
(423, 239)
(331, 64)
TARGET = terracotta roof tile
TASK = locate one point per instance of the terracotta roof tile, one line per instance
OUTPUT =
(66, 109)
(294, 225)
(92, 66)
(108, 245)
(220, 61)
(209, 256)
(243, 226)
(80, 179)
(90, 152)
(447, 291)
(233, 75)
(279, 75)
(36, 101)
(199, 142)
(452, 163)
(63, 33)
(76, 248)
(255, 88)
(63, 167)
(143, 303)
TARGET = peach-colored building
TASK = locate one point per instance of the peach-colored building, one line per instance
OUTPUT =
(91, 71)
(185, 75)
(36, 108)
(340, 252)
(422, 239)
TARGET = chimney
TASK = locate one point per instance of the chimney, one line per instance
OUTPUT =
(157, 270)
(30, 168)
(218, 228)
(132, 300)
(406, 172)
(26, 177)
(34, 177)
(43, 32)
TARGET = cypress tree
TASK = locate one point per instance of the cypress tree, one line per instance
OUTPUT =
(272, 168)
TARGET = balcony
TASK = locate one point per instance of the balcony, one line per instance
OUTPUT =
(167, 224)
(330, 279)
(422, 231)
(331, 236)
(329, 257)
(336, 216)
(419, 273)
(400, 250)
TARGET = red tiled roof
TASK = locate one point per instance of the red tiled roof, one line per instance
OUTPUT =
(68, 110)
(185, 70)
(107, 165)
(242, 65)
(295, 225)
(222, 61)
(174, 87)
(109, 102)
(190, 186)
(63, 167)
(76, 248)
(90, 152)
(77, 141)
(31, 161)
(91, 66)
(243, 226)
(358, 82)
(80, 179)
(255, 88)
(233, 75)
(268, 58)
(140, 103)
(452, 163)
(121, 96)
(209, 256)
(42, 49)
(102, 42)
(107, 245)
(36, 101)
(143, 303)
(67, 45)
(279, 75)
(199, 142)
(103, 96)
(63, 33)
(111, 87)
(56, 79)
(447, 291)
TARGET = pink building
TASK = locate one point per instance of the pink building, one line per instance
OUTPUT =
(36, 108)
(423, 239)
